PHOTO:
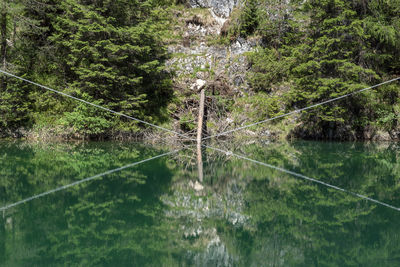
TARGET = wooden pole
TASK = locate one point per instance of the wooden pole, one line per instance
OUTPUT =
(201, 117)
(200, 134)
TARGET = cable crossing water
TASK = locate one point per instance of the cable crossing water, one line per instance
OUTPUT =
(183, 135)
(304, 177)
(86, 180)
(205, 138)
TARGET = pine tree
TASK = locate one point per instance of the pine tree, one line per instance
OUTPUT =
(4, 21)
(111, 54)
(328, 65)
(14, 96)
(327, 49)
(381, 23)
(249, 19)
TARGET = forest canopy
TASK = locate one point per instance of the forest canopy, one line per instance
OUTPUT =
(106, 52)
(114, 53)
(324, 49)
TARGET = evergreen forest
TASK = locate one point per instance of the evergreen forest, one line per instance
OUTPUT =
(115, 54)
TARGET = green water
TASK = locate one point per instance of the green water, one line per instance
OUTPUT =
(159, 214)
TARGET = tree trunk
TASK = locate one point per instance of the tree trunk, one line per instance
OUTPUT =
(3, 44)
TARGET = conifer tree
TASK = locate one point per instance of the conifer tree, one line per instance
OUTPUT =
(249, 19)
(329, 48)
(111, 55)
(14, 97)
(328, 65)
(381, 22)
(5, 16)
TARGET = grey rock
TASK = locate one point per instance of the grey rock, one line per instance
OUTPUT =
(222, 8)
(197, 186)
(202, 60)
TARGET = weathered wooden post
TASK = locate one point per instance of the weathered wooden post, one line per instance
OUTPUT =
(201, 117)
(200, 123)
(200, 135)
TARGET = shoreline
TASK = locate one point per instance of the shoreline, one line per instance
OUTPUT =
(148, 136)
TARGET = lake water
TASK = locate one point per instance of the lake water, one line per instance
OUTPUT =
(162, 213)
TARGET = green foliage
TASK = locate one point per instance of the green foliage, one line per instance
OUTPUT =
(249, 18)
(113, 54)
(107, 51)
(382, 30)
(328, 49)
(147, 215)
(14, 108)
(188, 122)
(384, 108)
(267, 69)
(133, 207)
(85, 120)
(259, 106)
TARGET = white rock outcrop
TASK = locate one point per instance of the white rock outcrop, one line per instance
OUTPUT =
(222, 8)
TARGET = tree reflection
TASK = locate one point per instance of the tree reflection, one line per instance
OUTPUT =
(243, 215)
(2, 237)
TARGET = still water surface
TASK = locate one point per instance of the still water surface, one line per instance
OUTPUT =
(159, 214)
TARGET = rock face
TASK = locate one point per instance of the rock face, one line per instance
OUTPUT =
(221, 8)
(196, 58)
(201, 59)
(198, 51)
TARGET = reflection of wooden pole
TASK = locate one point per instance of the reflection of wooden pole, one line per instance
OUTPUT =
(200, 133)
(200, 162)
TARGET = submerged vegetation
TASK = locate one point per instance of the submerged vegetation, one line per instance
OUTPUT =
(114, 54)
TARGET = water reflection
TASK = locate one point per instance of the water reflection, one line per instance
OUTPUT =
(239, 214)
